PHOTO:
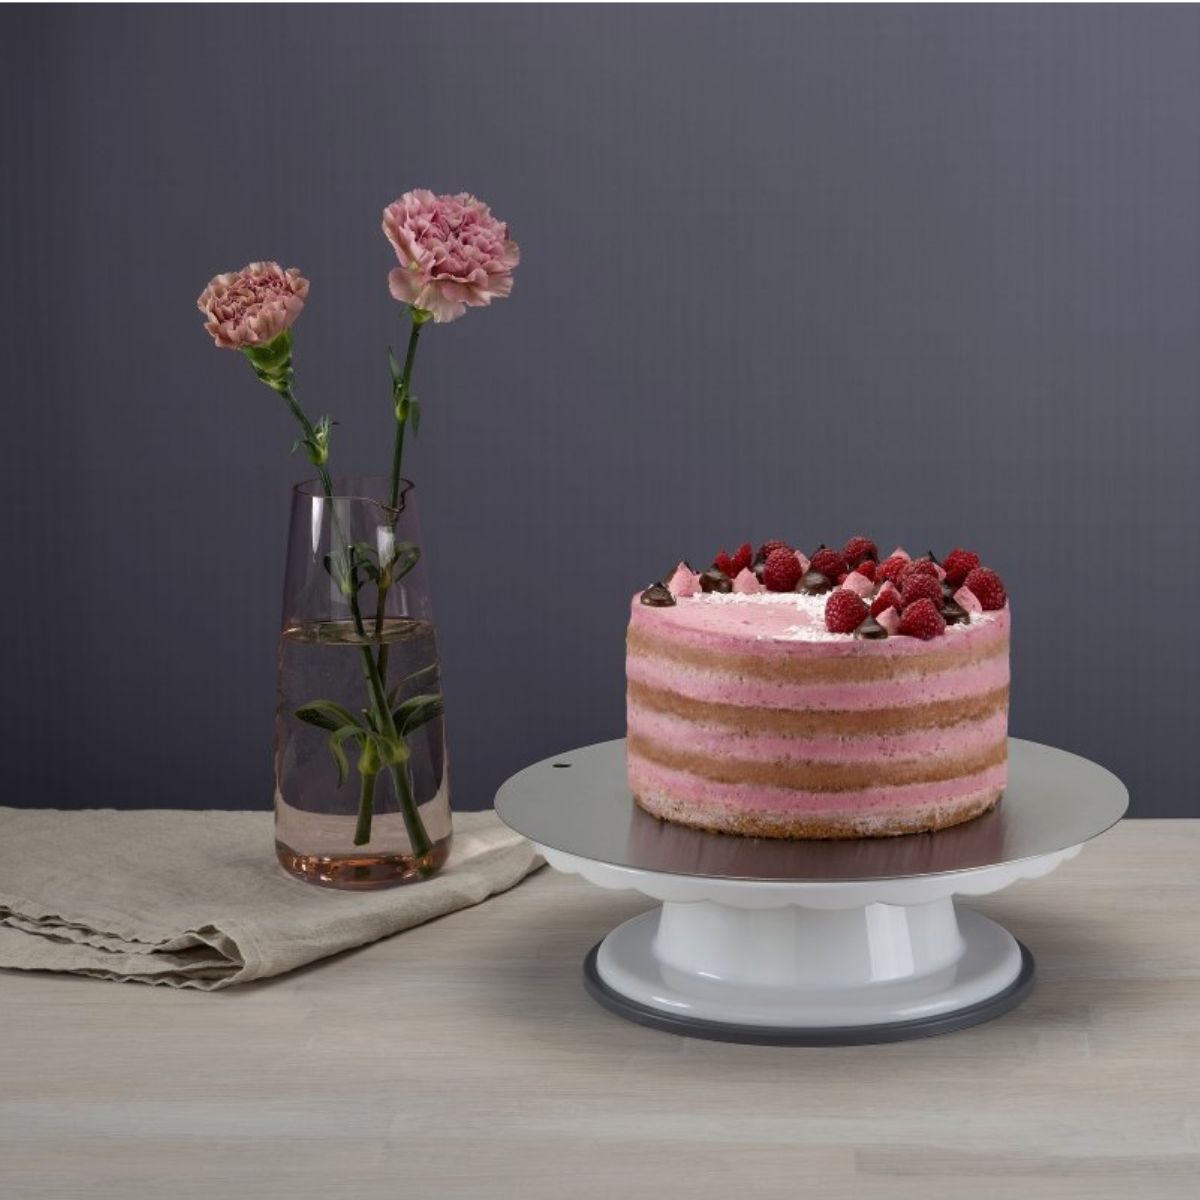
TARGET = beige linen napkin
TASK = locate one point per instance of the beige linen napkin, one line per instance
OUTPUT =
(196, 899)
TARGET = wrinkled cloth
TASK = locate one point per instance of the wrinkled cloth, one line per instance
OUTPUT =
(197, 900)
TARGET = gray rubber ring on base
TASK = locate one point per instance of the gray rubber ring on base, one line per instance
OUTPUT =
(838, 1035)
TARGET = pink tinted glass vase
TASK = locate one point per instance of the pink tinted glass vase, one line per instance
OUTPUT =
(361, 790)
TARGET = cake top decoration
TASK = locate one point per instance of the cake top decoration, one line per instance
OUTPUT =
(865, 597)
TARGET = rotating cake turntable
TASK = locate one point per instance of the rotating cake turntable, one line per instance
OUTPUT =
(808, 943)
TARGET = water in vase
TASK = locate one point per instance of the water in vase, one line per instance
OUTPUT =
(347, 813)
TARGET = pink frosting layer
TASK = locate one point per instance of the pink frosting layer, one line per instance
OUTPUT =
(727, 688)
(726, 744)
(736, 797)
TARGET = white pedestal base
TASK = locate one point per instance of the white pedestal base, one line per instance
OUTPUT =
(809, 963)
(794, 968)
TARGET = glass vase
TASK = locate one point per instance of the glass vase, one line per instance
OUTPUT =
(361, 792)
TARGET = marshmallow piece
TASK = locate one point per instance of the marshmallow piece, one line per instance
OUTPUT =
(890, 620)
(685, 582)
(859, 584)
(800, 558)
(746, 583)
(965, 598)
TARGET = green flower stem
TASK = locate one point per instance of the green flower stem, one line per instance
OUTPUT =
(375, 674)
(418, 837)
(310, 433)
(377, 695)
(382, 665)
(272, 363)
(356, 611)
(401, 397)
(402, 390)
(366, 807)
(397, 455)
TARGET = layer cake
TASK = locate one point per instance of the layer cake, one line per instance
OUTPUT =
(831, 697)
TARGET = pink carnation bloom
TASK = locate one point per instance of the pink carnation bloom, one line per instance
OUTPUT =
(254, 305)
(453, 253)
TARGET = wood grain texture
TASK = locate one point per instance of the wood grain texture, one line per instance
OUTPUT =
(463, 1059)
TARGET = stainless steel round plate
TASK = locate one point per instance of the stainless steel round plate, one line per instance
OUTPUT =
(579, 803)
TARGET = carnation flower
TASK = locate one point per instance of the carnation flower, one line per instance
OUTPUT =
(252, 306)
(453, 253)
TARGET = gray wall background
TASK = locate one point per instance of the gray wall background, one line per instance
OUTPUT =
(930, 273)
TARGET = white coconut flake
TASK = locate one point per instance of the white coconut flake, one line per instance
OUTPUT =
(782, 599)
(981, 618)
(813, 607)
(805, 633)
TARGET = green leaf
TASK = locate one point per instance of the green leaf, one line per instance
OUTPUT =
(347, 561)
(391, 696)
(336, 566)
(318, 444)
(339, 759)
(336, 738)
(417, 674)
(417, 711)
(394, 367)
(325, 714)
(406, 556)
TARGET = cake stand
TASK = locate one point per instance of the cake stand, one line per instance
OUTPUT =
(808, 943)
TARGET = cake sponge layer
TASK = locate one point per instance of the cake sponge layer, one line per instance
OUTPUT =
(833, 823)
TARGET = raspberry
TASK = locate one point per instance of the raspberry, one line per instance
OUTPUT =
(917, 586)
(782, 570)
(890, 568)
(859, 548)
(731, 565)
(766, 549)
(959, 564)
(918, 566)
(922, 620)
(987, 588)
(888, 597)
(829, 562)
(844, 611)
(867, 568)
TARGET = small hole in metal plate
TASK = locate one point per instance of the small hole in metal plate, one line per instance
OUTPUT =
(560, 764)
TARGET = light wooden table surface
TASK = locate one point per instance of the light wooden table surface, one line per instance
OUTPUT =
(463, 1059)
